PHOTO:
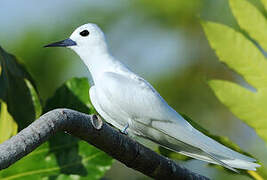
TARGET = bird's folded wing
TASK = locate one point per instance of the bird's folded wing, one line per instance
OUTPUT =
(136, 97)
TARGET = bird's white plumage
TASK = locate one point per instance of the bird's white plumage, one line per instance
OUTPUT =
(120, 97)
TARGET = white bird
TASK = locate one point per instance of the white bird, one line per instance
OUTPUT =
(131, 104)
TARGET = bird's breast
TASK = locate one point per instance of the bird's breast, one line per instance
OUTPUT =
(107, 109)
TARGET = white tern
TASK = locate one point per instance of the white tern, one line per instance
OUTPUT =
(131, 104)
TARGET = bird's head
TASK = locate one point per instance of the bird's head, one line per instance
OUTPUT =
(87, 37)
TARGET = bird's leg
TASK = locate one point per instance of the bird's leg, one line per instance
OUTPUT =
(124, 130)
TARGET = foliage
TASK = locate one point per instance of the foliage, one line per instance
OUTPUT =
(63, 157)
(172, 12)
(17, 91)
(246, 57)
(73, 94)
(68, 160)
(8, 127)
(264, 2)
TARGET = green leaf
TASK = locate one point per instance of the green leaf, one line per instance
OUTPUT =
(238, 52)
(236, 98)
(17, 91)
(251, 20)
(73, 94)
(264, 2)
(64, 156)
(8, 126)
(241, 54)
(82, 161)
(35, 99)
(259, 174)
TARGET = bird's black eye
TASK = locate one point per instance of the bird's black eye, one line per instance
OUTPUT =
(84, 33)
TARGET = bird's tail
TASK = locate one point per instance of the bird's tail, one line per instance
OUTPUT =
(200, 146)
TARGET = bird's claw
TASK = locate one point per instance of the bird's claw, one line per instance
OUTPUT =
(124, 130)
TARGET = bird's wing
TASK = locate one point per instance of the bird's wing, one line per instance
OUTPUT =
(135, 97)
(97, 106)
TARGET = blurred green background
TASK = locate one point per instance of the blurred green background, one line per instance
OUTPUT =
(162, 41)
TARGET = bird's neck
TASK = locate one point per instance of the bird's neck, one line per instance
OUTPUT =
(98, 61)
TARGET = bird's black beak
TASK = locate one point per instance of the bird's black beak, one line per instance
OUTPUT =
(64, 43)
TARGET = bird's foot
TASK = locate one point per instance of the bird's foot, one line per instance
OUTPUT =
(124, 130)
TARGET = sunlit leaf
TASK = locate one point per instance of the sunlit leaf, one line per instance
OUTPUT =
(8, 126)
(264, 2)
(35, 99)
(16, 90)
(255, 175)
(251, 20)
(238, 52)
(242, 55)
(246, 105)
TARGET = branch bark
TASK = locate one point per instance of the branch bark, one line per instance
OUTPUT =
(98, 133)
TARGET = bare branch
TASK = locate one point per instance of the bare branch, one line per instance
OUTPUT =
(98, 133)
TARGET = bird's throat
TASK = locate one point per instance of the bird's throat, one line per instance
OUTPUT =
(97, 62)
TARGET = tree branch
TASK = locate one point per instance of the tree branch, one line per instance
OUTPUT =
(98, 133)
